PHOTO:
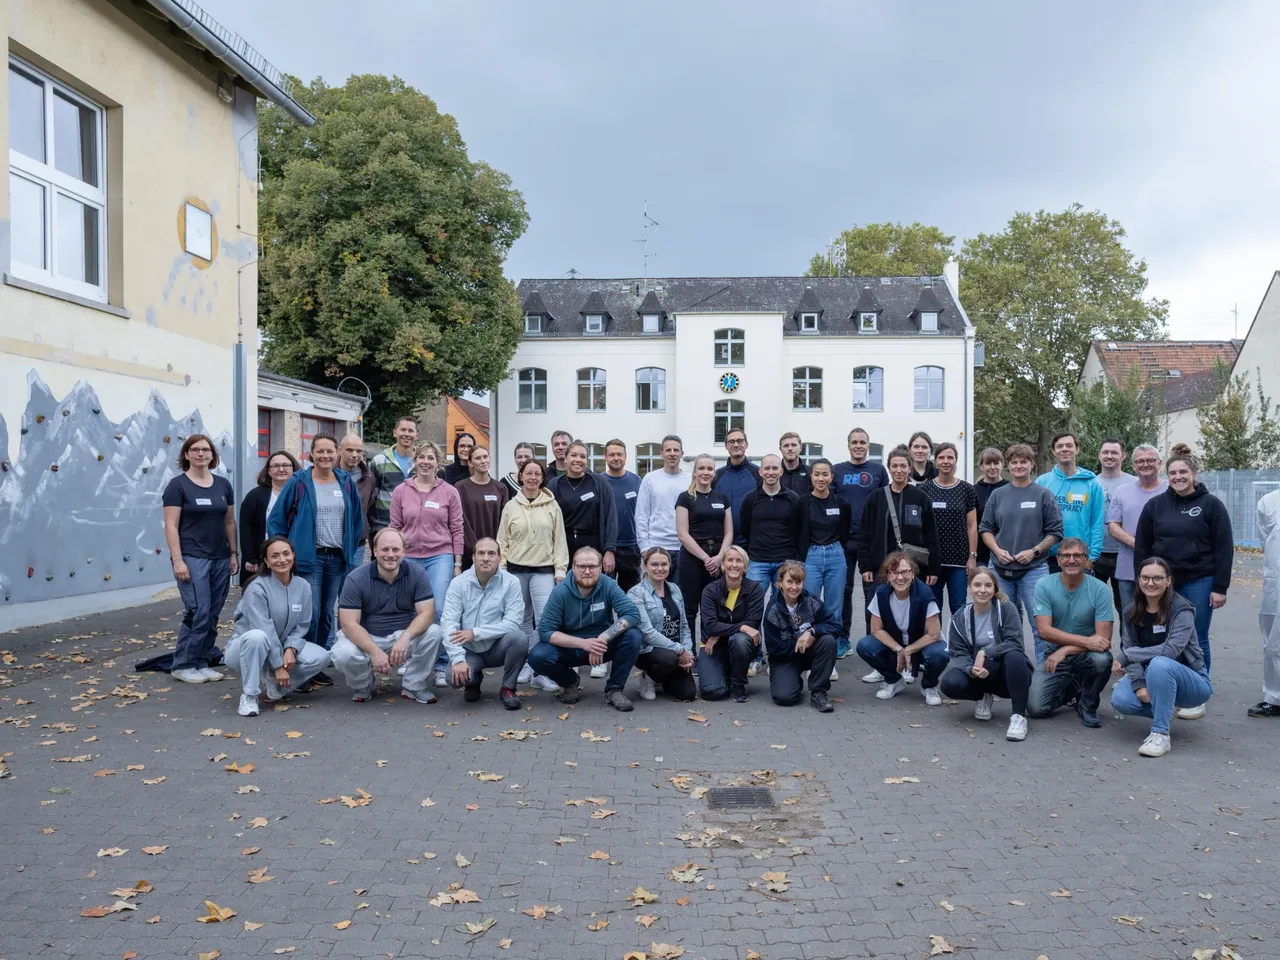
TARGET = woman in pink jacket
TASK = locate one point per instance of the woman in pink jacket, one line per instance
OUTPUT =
(428, 512)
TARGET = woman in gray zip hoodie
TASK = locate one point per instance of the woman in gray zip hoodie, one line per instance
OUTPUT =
(270, 631)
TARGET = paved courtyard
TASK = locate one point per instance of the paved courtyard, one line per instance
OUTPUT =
(349, 830)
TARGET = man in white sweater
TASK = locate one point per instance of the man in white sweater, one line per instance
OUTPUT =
(656, 502)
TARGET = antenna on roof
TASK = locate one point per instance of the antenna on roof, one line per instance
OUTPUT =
(1235, 323)
(572, 273)
(648, 227)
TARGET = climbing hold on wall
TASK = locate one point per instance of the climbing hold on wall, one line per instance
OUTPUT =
(144, 469)
(53, 467)
(88, 559)
(66, 413)
(48, 576)
(99, 456)
(72, 573)
(127, 558)
(157, 551)
(25, 431)
(30, 572)
(166, 439)
(96, 410)
(4, 465)
(106, 576)
(39, 418)
(119, 436)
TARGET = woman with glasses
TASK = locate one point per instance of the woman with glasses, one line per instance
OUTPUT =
(667, 655)
(1160, 658)
(704, 525)
(257, 503)
(906, 631)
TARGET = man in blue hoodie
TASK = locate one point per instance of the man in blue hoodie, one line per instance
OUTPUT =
(737, 478)
(1079, 496)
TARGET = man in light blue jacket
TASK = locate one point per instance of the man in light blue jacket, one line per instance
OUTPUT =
(483, 625)
(1079, 496)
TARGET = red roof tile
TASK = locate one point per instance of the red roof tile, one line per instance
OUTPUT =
(1158, 361)
(478, 412)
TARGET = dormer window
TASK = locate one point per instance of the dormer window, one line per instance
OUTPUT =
(808, 323)
(867, 322)
(532, 324)
(928, 321)
(1173, 374)
(595, 323)
(652, 323)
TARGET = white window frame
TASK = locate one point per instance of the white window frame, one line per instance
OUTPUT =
(927, 371)
(810, 452)
(928, 321)
(652, 323)
(868, 322)
(55, 182)
(875, 452)
(596, 380)
(734, 415)
(806, 378)
(595, 323)
(533, 324)
(595, 458)
(866, 380)
(655, 378)
(648, 458)
(808, 323)
(729, 336)
(537, 378)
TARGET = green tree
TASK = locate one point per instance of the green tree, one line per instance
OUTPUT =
(1240, 428)
(884, 250)
(383, 245)
(1038, 293)
(1125, 411)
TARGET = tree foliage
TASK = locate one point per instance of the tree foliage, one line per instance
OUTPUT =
(884, 250)
(1038, 293)
(1124, 411)
(383, 245)
(1240, 428)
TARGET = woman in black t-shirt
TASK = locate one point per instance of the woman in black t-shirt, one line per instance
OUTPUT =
(705, 528)
(955, 517)
(200, 529)
(820, 523)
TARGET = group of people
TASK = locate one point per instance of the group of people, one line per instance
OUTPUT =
(699, 578)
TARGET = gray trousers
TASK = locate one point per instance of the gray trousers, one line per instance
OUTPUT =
(509, 652)
(357, 669)
(250, 655)
(536, 588)
(202, 599)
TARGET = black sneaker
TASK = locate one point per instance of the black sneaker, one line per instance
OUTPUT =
(471, 693)
(322, 679)
(1088, 718)
(570, 694)
(618, 700)
(509, 698)
(1262, 710)
(739, 694)
(820, 702)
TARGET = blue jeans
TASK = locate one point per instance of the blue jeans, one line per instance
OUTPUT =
(956, 580)
(1024, 588)
(440, 572)
(1171, 686)
(203, 597)
(1127, 590)
(766, 574)
(1197, 591)
(561, 663)
(824, 573)
(927, 663)
(326, 584)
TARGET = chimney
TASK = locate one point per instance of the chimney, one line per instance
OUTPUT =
(952, 273)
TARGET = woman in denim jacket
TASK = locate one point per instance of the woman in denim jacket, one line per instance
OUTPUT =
(667, 654)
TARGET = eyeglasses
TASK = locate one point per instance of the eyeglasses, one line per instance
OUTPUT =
(1159, 578)
(1070, 556)
(280, 466)
(735, 443)
(586, 567)
(902, 573)
(1145, 462)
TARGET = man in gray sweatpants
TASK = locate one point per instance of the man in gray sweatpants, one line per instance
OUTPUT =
(483, 626)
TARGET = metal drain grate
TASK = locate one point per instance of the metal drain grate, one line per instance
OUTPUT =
(739, 798)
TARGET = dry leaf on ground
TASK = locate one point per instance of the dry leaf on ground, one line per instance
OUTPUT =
(599, 855)
(236, 768)
(946, 906)
(775, 881)
(1127, 920)
(665, 951)
(697, 718)
(540, 912)
(135, 766)
(216, 913)
(939, 946)
(154, 781)
(647, 920)
(685, 873)
(602, 814)
(640, 896)
(461, 861)
(112, 852)
(211, 955)
(258, 822)
(427, 803)
(250, 925)
(293, 734)
(598, 925)
(456, 894)
(211, 732)
(477, 929)
(1064, 892)
(155, 851)
(342, 924)
(901, 779)
(682, 901)
(249, 851)
(259, 875)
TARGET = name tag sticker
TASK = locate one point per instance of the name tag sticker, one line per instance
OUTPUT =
(203, 502)
(629, 495)
(587, 496)
(1029, 504)
(296, 608)
(338, 494)
(491, 497)
(1077, 498)
(991, 634)
(1158, 628)
(430, 505)
(717, 506)
(597, 607)
(939, 504)
(833, 511)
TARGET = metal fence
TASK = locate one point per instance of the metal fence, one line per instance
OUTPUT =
(1240, 491)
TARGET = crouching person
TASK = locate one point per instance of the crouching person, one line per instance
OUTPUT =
(799, 635)
(588, 620)
(483, 625)
(732, 609)
(386, 613)
(905, 631)
(269, 647)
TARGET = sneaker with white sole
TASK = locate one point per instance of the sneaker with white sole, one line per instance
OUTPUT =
(599, 671)
(888, 691)
(835, 674)
(189, 675)
(400, 671)
(647, 690)
(442, 679)
(753, 668)
(526, 675)
(248, 705)
(908, 676)
(932, 697)
(211, 674)
(422, 696)
(873, 677)
(545, 683)
(982, 710)
(1156, 745)
(1017, 728)
(1191, 713)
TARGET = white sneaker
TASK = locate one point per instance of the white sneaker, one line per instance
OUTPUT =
(600, 671)
(545, 683)
(400, 670)
(189, 675)
(982, 711)
(248, 706)
(888, 691)
(873, 677)
(442, 679)
(908, 676)
(526, 675)
(835, 674)
(1156, 745)
(1017, 728)
(647, 691)
(752, 669)
(1189, 713)
(271, 689)
(212, 674)
(932, 697)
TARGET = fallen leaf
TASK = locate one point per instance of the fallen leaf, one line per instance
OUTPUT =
(427, 803)
(1127, 920)
(211, 955)
(682, 901)
(505, 943)
(561, 841)
(634, 955)
(219, 758)
(152, 783)
(461, 861)
(589, 735)
(259, 876)
(1205, 896)
(775, 881)
(48, 830)
(640, 896)
(687, 873)
(383, 763)
(236, 768)
(599, 855)
(563, 716)
(284, 949)
(135, 766)
(901, 779)
(342, 924)
(258, 822)
(473, 806)
(697, 718)
(80, 759)
(602, 814)
(155, 851)
(540, 912)
(105, 773)
(293, 734)
(647, 920)
(250, 925)
(247, 788)
(697, 793)
(155, 919)
(481, 928)
(458, 895)
(946, 906)
(249, 851)
(216, 913)
(777, 746)
(1017, 903)
(939, 945)
(665, 951)
(112, 852)
(1064, 892)
(211, 732)
(598, 925)
(95, 911)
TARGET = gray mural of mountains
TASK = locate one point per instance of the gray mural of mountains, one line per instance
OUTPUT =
(80, 504)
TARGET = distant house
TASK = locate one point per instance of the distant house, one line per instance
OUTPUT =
(291, 412)
(1260, 350)
(449, 417)
(1180, 373)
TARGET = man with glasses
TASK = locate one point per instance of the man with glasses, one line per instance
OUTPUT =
(1124, 507)
(737, 478)
(1075, 618)
(588, 620)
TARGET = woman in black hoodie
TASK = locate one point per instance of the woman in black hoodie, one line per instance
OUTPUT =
(460, 469)
(1190, 528)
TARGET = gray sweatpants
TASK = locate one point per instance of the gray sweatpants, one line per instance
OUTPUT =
(355, 666)
(250, 654)
(509, 653)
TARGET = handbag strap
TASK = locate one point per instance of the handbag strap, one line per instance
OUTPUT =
(893, 517)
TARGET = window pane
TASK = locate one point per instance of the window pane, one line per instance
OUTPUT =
(26, 115)
(77, 240)
(26, 203)
(738, 353)
(815, 395)
(75, 139)
(540, 397)
(722, 353)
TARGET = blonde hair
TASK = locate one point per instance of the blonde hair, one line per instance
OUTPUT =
(693, 483)
(426, 445)
(746, 560)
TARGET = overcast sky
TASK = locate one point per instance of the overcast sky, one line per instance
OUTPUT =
(758, 131)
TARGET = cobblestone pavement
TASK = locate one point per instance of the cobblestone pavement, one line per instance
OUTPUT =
(1066, 846)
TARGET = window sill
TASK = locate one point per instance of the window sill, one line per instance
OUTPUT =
(12, 281)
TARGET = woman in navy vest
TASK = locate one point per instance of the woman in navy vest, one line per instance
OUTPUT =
(905, 631)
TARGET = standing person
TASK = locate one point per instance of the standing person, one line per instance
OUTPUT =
(879, 535)
(992, 464)
(257, 503)
(705, 528)
(586, 501)
(1019, 525)
(739, 476)
(200, 531)
(560, 441)
(987, 656)
(666, 657)
(795, 476)
(522, 453)
(955, 514)
(626, 489)
(483, 500)
(1269, 608)
(1075, 618)
(1191, 529)
(656, 503)
(481, 624)
(460, 469)
(731, 612)
(1112, 479)
(1079, 497)
(856, 479)
(767, 530)
(906, 631)
(820, 523)
(1124, 507)
(319, 511)
(801, 638)
(351, 459)
(390, 468)
(270, 632)
(1159, 657)
(531, 541)
(922, 468)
